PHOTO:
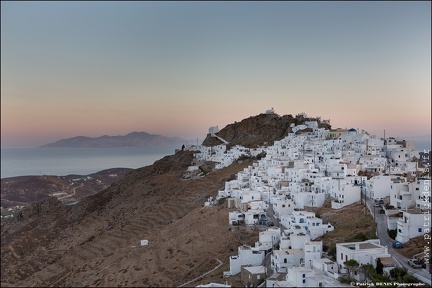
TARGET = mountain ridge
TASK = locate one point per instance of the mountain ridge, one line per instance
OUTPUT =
(133, 139)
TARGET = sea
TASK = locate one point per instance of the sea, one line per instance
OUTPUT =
(84, 161)
(79, 161)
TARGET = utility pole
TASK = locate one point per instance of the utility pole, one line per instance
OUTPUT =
(385, 151)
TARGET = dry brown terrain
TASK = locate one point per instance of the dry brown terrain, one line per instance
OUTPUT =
(352, 223)
(23, 190)
(414, 247)
(97, 241)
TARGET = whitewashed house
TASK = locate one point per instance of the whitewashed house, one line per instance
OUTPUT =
(307, 277)
(373, 163)
(414, 223)
(283, 259)
(315, 199)
(282, 205)
(267, 239)
(344, 193)
(315, 227)
(312, 225)
(246, 256)
(424, 198)
(378, 186)
(294, 238)
(366, 252)
(245, 196)
(312, 250)
(326, 265)
(405, 194)
(236, 218)
(252, 217)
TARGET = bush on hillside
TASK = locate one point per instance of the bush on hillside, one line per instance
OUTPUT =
(392, 233)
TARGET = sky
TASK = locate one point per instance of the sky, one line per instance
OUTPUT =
(177, 68)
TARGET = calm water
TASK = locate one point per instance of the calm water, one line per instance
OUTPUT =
(81, 161)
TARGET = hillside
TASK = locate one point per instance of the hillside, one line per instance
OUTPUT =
(259, 130)
(22, 190)
(97, 241)
(134, 139)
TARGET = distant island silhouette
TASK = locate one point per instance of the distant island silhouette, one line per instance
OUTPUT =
(134, 139)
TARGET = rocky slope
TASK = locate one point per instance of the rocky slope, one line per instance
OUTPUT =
(262, 129)
(23, 190)
(97, 241)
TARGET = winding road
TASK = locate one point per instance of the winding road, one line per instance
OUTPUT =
(385, 240)
(70, 195)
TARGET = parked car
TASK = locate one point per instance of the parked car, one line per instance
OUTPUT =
(379, 200)
(397, 244)
(270, 224)
(414, 263)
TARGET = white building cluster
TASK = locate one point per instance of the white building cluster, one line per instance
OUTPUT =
(304, 170)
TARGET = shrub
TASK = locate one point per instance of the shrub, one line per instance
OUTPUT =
(360, 236)
(325, 248)
(344, 280)
(392, 233)
(332, 250)
(379, 267)
(261, 155)
(408, 278)
(398, 272)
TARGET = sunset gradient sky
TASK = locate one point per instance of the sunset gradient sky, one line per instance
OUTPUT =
(177, 68)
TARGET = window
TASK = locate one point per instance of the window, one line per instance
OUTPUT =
(304, 280)
(420, 230)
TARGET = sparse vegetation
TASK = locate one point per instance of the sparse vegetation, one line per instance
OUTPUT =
(344, 280)
(379, 267)
(392, 233)
(351, 266)
(352, 223)
(261, 155)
